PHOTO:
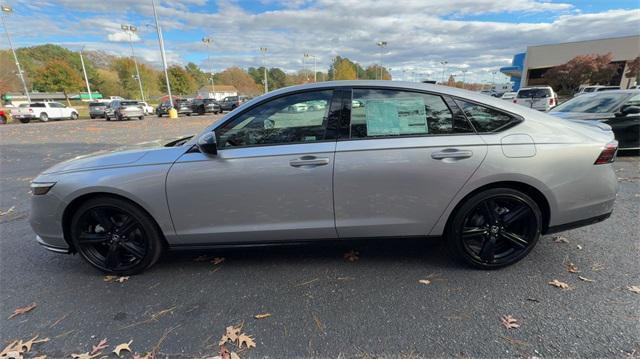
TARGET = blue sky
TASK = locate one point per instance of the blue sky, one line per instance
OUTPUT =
(477, 36)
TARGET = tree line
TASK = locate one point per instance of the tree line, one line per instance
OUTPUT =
(52, 68)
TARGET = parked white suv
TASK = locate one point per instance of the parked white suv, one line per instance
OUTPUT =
(44, 111)
(541, 98)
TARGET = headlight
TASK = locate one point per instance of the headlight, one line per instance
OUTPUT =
(40, 188)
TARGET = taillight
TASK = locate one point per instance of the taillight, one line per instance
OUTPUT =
(551, 101)
(608, 154)
(515, 101)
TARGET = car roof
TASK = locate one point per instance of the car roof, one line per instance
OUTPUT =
(535, 87)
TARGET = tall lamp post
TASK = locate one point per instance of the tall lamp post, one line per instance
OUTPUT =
(207, 41)
(84, 71)
(164, 57)
(464, 77)
(444, 67)
(7, 9)
(263, 50)
(381, 45)
(315, 71)
(130, 30)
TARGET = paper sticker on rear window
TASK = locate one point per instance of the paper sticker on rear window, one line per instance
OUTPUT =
(398, 116)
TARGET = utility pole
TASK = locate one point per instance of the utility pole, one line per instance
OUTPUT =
(315, 71)
(164, 57)
(263, 50)
(130, 30)
(444, 66)
(464, 77)
(7, 9)
(207, 42)
(86, 79)
(381, 45)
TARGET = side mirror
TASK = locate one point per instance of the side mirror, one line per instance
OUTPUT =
(207, 143)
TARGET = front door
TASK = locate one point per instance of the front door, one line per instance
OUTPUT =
(405, 157)
(270, 181)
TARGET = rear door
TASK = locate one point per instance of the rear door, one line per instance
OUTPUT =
(399, 163)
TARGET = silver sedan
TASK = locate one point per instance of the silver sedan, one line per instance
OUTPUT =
(410, 160)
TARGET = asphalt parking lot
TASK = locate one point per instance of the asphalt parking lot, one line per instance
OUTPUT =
(321, 304)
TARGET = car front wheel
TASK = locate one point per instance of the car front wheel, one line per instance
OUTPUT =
(115, 236)
(74, 116)
(44, 117)
(494, 228)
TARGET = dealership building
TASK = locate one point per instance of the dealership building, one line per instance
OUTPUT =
(528, 68)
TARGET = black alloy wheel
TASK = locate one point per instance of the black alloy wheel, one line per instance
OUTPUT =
(495, 228)
(115, 236)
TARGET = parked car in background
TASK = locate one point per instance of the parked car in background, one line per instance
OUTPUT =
(230, 103)
(489, 92)
(620, 110)
(124, 109)
(148, 109)
(541, 98)
(508, 95)
(415, 160)
(205, 105)
(595, 88)
(97, 109)
(44, 111)
(182, 106)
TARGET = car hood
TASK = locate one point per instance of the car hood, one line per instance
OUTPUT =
(125, 155)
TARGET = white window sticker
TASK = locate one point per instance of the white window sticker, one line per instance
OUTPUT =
(398, 116)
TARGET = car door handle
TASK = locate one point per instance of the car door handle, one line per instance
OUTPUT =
(309, 161)
(451, 153)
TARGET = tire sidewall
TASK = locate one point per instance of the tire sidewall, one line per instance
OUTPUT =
(154, 241)
(44, 117)
(454, 237)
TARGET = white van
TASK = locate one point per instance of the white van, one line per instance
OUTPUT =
(541, 98)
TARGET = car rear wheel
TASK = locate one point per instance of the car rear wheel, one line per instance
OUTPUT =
(44, 117)
(115, 236)
(74, 116)
(141, 118)
(494, 228)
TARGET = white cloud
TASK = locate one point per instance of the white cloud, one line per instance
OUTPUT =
(123, 37)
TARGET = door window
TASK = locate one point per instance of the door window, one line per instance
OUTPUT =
(297, 118)
(384, 113)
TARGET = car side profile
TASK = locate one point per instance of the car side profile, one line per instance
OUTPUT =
(410, 160)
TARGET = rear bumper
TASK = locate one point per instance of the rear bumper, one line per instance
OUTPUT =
(578, 224)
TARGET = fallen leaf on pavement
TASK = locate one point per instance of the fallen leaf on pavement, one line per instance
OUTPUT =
(217, 260)
(634, 288)
(579, 247)
(234, 355)
(572, 268)
(246, 340)
(262, 316)
(115, 278)
(120, 347)
(85, 356)
(17, 348)
(585, 279)
(22, 310)
(352, 256)
(101, 345)
(510, 322)
(146, 356)
(40, 357)
(559, 284)
(4, 213)
(424, 281)
(560, 239)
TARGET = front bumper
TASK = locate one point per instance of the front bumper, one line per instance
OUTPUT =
(51, 247)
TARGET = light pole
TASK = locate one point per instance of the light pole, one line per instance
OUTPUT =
(207, 42)
(315, 71)
(464, 77)
(381, 45)
(263, 50)
(164, 57)
(444, 67)
(130, 30)
(493, 77)
(7, 9)
(84, 71)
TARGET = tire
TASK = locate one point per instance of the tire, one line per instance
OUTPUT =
(25, 120)
(188, 113)
(115, 236)
(107, 118)
(92, 117)
(494, 228)
(74, 116)
(141, 118)
(44, 117)
(159, 115)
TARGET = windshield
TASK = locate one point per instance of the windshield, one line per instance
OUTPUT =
(589, 89)
(599, 102)
(96, 104)
(537, 93)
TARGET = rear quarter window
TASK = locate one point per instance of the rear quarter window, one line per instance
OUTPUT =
(486, 119)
